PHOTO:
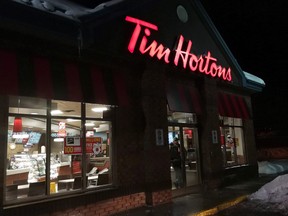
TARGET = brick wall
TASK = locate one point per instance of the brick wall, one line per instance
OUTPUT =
(105, 208)
(115, 205)
(161, 197)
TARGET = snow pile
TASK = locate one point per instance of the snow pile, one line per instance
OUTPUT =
(274, 193)
(272, 167)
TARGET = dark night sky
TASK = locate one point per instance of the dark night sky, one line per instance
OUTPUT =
(256, 32)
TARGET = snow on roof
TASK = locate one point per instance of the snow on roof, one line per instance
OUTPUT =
(253, 82)
(274, 194)
(66, 8)
(254, 78)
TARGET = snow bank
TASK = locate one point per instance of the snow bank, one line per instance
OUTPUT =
(272, 167)
(275, 192)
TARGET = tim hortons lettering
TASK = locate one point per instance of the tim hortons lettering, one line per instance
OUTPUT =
(205, 64)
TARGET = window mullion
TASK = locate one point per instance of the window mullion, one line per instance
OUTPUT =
(48, 146)
(83, 146)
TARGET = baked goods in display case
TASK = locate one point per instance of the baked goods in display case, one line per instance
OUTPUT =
(36, 163)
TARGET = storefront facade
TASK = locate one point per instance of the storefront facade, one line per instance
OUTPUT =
(91, 103)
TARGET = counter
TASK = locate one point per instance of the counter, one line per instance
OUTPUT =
(17, 176)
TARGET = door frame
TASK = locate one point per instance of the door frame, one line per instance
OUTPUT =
(198, 159)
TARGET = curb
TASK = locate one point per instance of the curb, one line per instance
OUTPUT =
(221, 207)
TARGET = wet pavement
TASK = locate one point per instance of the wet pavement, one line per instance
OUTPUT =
(230, 200)
(253, 208)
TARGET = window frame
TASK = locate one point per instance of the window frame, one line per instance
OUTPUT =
(232, 127)
(49, 119)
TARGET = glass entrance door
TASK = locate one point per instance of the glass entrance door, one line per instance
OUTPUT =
(187, 138)
(190, 143)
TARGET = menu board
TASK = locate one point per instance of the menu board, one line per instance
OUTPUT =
(34, 137)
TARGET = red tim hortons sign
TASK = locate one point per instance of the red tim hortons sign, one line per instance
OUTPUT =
(181, 56)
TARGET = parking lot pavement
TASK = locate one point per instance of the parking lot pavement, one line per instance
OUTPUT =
(215, 202)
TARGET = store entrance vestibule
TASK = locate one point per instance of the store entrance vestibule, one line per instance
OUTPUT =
(187, 137)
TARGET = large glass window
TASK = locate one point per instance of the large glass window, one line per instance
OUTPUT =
(232, 141)
(56, 147)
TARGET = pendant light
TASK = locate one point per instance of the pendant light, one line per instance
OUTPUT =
(17, 127)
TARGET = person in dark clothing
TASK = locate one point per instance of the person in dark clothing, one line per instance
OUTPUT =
(176, 162)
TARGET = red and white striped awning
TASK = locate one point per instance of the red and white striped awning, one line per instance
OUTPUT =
(233, 106)
(183, 98)
(37, 76)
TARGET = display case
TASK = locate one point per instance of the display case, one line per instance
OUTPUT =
(36, 164)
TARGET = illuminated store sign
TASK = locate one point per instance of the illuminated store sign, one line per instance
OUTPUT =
(205, 64)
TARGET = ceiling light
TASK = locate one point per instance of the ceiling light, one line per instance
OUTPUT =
(20, 135)
(12, 146)
(58, 140)
(72, 120)
(56, 112)
(99, 109)
(17, 126)
(89, 124)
